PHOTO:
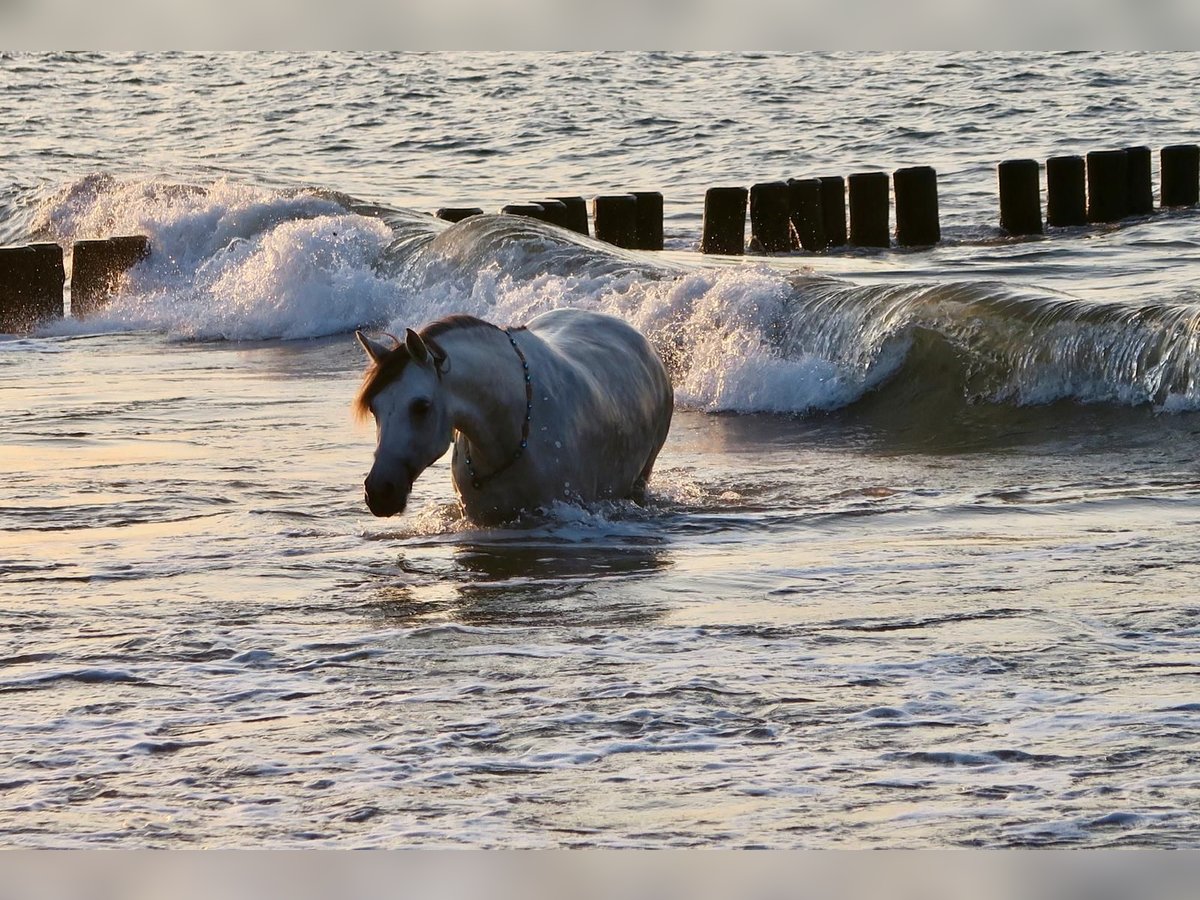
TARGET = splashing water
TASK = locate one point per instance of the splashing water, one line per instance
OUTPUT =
(237, 263)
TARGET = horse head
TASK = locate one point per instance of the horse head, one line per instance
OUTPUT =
(403, 390)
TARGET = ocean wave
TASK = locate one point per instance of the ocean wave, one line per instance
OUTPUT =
(233, 262)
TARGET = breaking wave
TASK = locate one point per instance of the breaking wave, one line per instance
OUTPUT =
(233, 262)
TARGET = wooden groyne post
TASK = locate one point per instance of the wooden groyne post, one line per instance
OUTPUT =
(807, 214)
(917, 222)
(1107, 185)
(554, 212)
(1066, 191)
(869, 210)
(614, 216)
(649, 215)
(1139, 186)
(577, 213)
(724, 228)
(31, 286)
(458, 213)
(1179, 175)
(1020, 196)
(97, 265)
(528, 210)
(833, 209)
(770, 222)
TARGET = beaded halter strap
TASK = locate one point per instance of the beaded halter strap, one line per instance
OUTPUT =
(477, 480)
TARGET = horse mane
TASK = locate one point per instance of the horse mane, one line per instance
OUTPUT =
(382, 372)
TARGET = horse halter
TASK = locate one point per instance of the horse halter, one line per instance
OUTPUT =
(477, 480)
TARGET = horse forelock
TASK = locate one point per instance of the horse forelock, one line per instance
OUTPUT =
(382, 372)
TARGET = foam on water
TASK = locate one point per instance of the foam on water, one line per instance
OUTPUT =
(229, 261)
(711, 326)
(757, 338)
(234, 262)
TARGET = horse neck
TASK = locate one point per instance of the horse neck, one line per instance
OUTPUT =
(486, 383)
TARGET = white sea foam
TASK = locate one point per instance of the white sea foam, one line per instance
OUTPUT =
(232, 262)
(713, 326)
(240, 263)
(721, 322)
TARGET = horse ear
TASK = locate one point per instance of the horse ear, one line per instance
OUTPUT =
(441, 361)
(416, 346)
(374, 349)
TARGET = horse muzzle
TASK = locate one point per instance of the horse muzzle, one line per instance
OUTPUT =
(385, 497)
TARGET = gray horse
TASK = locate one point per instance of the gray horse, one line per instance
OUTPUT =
(573, 407)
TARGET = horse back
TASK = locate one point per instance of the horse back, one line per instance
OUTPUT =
(608, 359)
(611, 395)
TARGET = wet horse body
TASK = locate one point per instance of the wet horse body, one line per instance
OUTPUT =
(573, 407)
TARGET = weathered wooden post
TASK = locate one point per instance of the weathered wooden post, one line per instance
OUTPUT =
(1108, 185)
(724, 228)
(770, 224)
(458, 213)
(554, 212)
(1066, 191)
(1179, 171)
(615, 219)
(833, 209)
(96, 266)
(917, 222)
(807, 214)
(649, 220)
(1020, 196)
(577, 213)
(1139, 185)
(869, 210)
(528, 210)
(31, 286)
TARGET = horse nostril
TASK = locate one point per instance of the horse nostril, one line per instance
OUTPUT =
(383, 497)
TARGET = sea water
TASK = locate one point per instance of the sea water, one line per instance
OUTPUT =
(917, 564)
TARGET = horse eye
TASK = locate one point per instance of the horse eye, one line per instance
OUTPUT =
(419, 407)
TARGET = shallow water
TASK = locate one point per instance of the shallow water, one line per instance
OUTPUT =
(916, 569)
(819, 632)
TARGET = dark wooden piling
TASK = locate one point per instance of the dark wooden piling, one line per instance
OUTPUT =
(1066, 191)
(614, 217)
(577, 213)
(724, 228)
(554, 212)
(1179, 175)
(649, 220)
(458, 213)
(96, 267)
(917, 222)
(528, 210)
(1020, 196)
(770, 222)
(1108, 185)
(807, 214)
(1139, 185)
(31, 286)
(833, 209)
(869, 210)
